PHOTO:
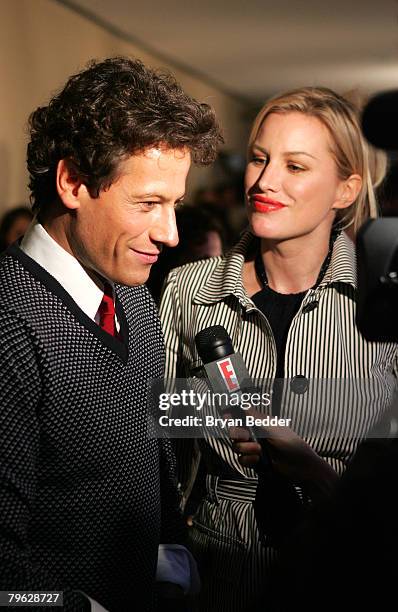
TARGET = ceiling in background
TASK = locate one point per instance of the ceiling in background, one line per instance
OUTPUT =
(255, 48)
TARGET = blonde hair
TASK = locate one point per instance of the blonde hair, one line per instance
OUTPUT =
(352, 154)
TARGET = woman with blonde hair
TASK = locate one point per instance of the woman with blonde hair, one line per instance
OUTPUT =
(286, 296)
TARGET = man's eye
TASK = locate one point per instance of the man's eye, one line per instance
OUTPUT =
(148, 205)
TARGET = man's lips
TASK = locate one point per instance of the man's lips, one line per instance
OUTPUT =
(264, 205)
(147, 256)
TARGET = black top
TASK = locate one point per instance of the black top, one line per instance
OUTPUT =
(280, 310)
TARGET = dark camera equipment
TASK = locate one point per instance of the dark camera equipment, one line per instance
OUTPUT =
(377, 240)
(377, 251)
(379, 121)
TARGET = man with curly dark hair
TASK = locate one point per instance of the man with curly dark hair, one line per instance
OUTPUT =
(86, 494)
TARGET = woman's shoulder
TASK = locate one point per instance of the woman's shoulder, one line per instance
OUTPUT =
(203, 268)
(197, 271)
(208, 280)
(184, 283)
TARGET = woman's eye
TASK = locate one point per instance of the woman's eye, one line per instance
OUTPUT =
(258, 160)
(295, 168)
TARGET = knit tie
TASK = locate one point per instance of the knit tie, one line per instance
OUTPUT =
(107, 311)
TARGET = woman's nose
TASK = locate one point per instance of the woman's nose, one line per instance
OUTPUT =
(270, 178)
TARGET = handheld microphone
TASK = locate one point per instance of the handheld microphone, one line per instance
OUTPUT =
(225, 369)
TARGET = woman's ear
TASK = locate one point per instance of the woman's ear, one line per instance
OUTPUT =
(68, 184)
(349, 192)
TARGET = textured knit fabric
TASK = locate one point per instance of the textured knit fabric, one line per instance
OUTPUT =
(322, 343)
(85, 494)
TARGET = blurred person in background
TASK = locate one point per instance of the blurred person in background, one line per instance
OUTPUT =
(200, 237)
(286, 296)
(225, 202)
(13, 225)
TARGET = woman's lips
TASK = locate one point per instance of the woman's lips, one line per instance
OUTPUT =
(265, 205)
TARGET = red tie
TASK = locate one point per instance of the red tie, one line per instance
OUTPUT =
(107, 311)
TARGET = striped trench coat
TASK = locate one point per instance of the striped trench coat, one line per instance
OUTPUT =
(322, 344)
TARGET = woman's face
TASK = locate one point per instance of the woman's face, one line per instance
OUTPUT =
(291, 182)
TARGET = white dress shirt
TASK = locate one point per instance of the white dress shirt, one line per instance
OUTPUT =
(66, 269)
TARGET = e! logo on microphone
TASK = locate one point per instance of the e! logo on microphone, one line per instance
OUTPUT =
(228, 374)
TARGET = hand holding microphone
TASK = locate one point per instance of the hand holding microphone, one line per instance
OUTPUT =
(290, 456)
(227, 374)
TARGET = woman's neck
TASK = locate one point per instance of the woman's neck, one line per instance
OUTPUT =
(292, 266)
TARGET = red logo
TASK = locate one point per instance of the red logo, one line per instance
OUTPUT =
(228, 373)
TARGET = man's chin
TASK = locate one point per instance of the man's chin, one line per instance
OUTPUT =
(133, 280)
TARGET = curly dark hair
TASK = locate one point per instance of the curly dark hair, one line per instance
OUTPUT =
(106, 113)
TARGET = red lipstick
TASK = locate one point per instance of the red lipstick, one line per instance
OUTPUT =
(262, 204)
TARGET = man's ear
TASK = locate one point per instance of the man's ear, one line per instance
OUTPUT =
(349, 192)
(69, 186)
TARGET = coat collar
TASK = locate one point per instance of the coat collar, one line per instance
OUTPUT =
(226, 278)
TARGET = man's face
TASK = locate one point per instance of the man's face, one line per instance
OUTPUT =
(120, 234)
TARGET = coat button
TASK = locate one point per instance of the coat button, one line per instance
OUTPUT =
(310, 306)
(299, 384)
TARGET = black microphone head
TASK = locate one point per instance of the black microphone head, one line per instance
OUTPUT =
(213, 343)
(380, 120)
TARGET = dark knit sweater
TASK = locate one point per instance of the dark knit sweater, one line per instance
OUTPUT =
(81, 482)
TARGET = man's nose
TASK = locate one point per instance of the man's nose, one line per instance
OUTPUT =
(164, 230)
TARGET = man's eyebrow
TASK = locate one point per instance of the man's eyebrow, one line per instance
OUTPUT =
(162, 198)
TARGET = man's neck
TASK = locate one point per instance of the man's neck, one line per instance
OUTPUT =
(58, 227)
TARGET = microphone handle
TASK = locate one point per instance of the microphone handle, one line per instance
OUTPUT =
(265, 461)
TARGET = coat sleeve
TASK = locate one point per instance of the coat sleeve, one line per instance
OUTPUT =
(170, 312)
(170, 315)
(20, 393)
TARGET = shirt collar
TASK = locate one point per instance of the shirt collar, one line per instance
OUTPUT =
(65, 268)
(342, 267)
(226, 278)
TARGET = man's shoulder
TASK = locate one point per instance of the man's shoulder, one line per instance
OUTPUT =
(29, 304)
(15, 337)
(18, 287)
